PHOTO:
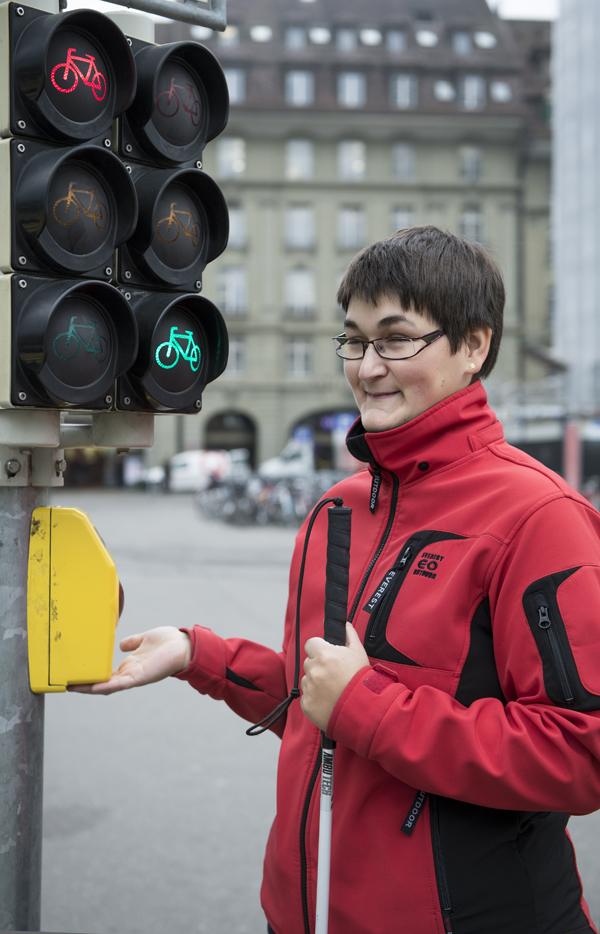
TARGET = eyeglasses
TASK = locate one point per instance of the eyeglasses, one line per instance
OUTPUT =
(390, 348)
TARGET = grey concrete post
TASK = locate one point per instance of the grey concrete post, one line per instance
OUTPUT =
(21, 724)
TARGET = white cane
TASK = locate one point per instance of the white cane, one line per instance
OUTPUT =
(336, 609)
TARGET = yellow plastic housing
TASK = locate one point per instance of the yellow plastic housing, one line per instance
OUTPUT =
(72, 601)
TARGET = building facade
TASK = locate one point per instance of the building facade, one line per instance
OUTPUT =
(348, 122)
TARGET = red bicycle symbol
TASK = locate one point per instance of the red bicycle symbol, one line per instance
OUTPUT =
(169, 105)
(69, 74)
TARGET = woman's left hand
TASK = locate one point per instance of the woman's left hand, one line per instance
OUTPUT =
(328, 669)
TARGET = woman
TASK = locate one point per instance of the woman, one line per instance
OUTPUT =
(465, 702)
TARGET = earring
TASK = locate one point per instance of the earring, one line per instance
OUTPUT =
(471, 366)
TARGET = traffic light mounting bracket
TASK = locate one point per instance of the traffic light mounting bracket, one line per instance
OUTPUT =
(32, 443)
(211, 13)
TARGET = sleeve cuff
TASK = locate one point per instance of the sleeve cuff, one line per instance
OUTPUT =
(362, 706)
(207, 669)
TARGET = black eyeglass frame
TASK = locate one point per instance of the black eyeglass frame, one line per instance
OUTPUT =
(429, 339)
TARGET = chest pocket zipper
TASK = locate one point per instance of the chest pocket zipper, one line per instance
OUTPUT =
(399, 572)
(560, 667)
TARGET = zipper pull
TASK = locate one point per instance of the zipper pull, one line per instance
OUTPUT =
(405, 556)
(544, 619)
(375, 487)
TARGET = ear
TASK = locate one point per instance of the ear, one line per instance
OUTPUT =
(476, 349)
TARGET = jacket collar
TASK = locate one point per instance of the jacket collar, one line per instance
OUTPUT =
(455, 427)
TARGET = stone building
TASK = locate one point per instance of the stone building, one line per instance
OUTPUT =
(349, 121)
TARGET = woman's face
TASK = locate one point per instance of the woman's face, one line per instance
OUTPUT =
(391, 392)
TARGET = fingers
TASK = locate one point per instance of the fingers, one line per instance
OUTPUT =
(314, 646)
(352, 637)
(130, 643)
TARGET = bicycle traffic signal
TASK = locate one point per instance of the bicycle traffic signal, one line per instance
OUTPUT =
(181, 103)
(90, 213)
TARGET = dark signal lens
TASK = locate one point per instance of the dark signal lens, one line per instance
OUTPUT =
(78, 210)
(78, 76)
(176, 352)
(178, 232)
(178, 109)
(78, 343)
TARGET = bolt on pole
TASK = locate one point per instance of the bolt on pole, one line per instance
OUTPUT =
(21, 724)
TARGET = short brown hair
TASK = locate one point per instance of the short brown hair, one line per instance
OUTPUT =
(437, 273)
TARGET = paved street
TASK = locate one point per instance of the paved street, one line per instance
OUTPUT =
(157, 805)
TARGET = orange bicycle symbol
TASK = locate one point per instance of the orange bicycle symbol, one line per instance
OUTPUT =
(168, 228)
(168, 102)
(67, 209)
(65, 77)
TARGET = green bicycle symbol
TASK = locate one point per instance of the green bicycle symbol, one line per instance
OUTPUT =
(190, 352)
(66, 344)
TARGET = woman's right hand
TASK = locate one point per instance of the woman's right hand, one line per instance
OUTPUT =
(155, 655)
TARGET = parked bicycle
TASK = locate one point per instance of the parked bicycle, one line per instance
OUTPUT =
(174, 346)
(169, 228)
(168, 102)
(68, 208)
(65, 76)
(66, 344)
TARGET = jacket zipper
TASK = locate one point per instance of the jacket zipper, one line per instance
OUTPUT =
(440, 865)
(391, 593)
(381, 546)
(313, 778)
(545, 623)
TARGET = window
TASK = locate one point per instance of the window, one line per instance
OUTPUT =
(403, 161)
(485, 40)
(319, 35)
(461, 43)
(352, 89)
(395, 40)
(403, 91)
(300, 292)
(352, 160)
(261, 33)
(236, 84)
(299, 359)
(370, 37)
(444, 91)
(346, 40)
(229, 37)
(299, 88)
(427, 38)
(300, 227)
(471, 163)
(402, 217)
(500, 92)
(236, 363)
(299, 159)
(351, 227)
(472, 95)
(231, 290)
(471, 225)
(295, 37)
(237, 226)
(231, 157)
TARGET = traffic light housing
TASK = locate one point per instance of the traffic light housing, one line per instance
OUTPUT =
(109, 218)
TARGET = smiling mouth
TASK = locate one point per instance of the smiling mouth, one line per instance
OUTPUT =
(383, 395)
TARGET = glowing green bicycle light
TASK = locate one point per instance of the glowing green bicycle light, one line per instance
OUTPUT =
(168, 353)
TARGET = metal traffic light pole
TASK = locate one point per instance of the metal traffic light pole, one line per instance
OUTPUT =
(31, 460)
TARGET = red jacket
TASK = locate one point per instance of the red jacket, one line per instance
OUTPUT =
(475, 586)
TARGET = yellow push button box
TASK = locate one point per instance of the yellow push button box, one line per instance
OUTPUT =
(72, 601)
